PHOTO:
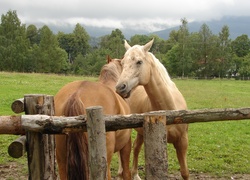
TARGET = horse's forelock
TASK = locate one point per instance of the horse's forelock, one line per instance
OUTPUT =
(110, 71)
(134, 51)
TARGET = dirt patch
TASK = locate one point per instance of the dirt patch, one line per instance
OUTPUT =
(13, 171)
(203, 176)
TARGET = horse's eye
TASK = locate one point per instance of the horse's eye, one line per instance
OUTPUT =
(139, 62)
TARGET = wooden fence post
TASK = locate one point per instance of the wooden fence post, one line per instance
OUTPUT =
(155, 144)
(40, 147)
(96, 143)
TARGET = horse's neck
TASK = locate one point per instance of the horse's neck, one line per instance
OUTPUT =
(109, 76)
(160, 89)
(110, 83)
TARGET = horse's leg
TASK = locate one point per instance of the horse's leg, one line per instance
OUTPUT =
(181, 150)
(110, 147)
(61, 155)
(125, 159)
(137, 147)
(120, 169)
(109, 158)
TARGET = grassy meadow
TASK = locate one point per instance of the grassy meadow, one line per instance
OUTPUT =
(218, 148)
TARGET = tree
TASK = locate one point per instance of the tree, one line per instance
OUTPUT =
(50, 57)
(225, 58)
(244, 69)
(241, 45)
(139, 39)
(116, 40)
(80, 43)
(183, 35)
(32, 34)
(208, 48)
(170, 61)
(91, 63)
(66, 42)
(158, 47)
(179, 56)
(241, 49)
(114, 43)
(13, 43)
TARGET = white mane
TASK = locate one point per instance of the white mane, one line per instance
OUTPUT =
(162, 71)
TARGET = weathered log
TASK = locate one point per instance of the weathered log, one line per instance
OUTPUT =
(40, 147)
(11, 125)
(57, 125)
(155, 143)
(207, 115)
(18, 106)
(18, 147)
(96, 143)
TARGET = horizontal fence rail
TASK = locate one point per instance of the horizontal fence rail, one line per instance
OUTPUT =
(56, 124)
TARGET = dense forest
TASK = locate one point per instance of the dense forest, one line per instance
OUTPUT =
(200, 54)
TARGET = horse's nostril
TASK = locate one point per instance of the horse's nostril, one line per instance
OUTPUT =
(123, 86)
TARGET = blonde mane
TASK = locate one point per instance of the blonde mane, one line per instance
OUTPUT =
(162, 71)
(109, 72)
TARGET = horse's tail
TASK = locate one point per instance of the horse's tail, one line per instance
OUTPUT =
(77, 147)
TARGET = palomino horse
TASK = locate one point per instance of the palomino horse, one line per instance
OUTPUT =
(71, 100)
(141, 67)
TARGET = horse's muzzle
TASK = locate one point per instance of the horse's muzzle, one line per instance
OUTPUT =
(122, 90)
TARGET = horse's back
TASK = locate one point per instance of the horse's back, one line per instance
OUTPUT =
(63, 95)
(91, 94)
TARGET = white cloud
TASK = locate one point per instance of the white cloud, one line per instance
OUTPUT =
(94, 22)
(146, 15)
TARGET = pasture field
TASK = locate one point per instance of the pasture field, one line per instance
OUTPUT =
(220, 149)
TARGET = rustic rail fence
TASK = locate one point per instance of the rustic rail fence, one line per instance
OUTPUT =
(38, 127)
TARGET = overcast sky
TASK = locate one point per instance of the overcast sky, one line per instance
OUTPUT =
(151, 15)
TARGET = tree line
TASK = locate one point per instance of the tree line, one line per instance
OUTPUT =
(194, 54)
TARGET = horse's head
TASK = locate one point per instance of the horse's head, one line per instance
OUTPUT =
(136, 68)
(110, 72)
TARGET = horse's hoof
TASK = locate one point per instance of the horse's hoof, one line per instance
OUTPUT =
(136, 177)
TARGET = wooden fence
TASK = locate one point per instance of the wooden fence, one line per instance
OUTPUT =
(38, 126)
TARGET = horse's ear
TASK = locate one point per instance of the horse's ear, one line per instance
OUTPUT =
(118, 60)
(108, 59)
(147, 46)
(126, 45)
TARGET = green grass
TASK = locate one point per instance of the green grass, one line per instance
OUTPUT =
(219, 148)
(16, 85)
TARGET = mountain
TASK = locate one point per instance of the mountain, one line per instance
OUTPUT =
(95, 31)
(237, 26)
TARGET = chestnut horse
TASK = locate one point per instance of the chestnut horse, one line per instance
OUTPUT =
(72, 149)
(140, 67)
